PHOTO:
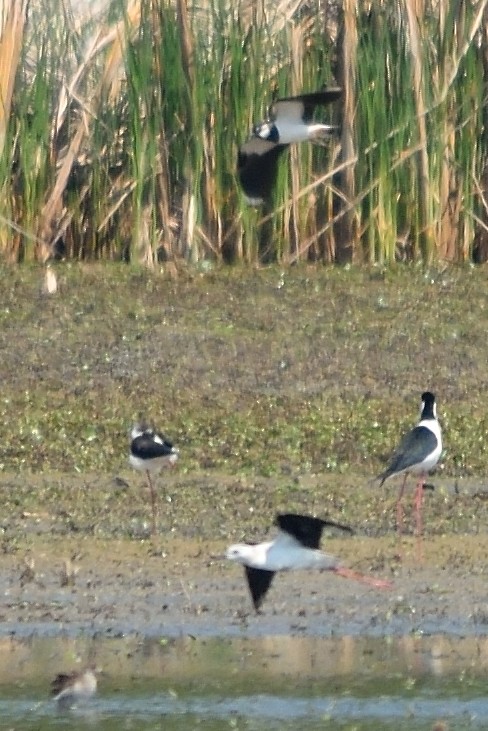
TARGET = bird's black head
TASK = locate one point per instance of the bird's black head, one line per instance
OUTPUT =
(428, 405)
(266, 131)
(428, 398)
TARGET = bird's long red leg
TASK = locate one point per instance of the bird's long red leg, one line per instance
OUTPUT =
(400, 507)
(419, 496)
(363, 578)
(153, 503)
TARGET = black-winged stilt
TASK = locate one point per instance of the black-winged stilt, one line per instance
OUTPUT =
(150, 452)
(70, 688)
(290, 121)
(418, 453)
(295, 547)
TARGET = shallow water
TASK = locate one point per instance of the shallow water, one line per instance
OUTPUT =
(254, 684)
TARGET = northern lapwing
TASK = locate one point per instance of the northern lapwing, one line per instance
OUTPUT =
(289, 121)
(417, 454)
(295, 547)
(68, 689)
(150, 452)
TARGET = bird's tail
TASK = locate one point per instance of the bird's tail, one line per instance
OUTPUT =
(320, 134)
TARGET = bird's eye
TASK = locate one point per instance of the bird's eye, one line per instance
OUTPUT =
(262, 130)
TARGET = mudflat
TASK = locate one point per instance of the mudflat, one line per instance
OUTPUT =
(285, 390)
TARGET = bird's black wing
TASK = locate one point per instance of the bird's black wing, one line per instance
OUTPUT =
(308, 102)
(145, 447)
(257, 167)
(306, 529)
(413, 449)
(60, 681)
(259, 581)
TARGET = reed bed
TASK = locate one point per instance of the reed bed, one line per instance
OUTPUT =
(119, 131)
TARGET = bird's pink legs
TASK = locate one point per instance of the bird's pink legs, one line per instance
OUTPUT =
(400, 507)
(419, 496)
(153, 503)
(371, 580)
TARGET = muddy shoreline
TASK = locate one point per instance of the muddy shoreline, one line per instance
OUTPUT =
(177, 587)
(285, 392)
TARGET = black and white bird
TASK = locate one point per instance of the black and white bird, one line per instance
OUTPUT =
(417, 454)
(68, 689)
(295, 547)
(151, 452)
(289, 121)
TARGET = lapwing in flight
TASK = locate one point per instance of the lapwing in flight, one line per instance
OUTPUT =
(417, 454)
(295, 547)
(289, 121)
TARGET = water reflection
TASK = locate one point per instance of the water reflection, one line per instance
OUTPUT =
(413, 682)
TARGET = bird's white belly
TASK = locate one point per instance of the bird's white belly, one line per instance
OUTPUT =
(290, 132)
(278, 559)
(153, 465)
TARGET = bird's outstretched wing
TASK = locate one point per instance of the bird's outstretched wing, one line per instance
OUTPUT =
(259, 581)
(257, 167)
(301, 108)
(306, 529)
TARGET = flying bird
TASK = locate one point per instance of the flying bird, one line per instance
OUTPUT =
(150, 452)
(295, 547)
(70, 688)
(289, 121)
(417, 454)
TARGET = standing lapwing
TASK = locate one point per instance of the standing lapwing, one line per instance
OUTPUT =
(418, 453)
(150, 452)
(290, 121)
(295, 547)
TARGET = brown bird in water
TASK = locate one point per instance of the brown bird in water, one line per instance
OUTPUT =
(69, 688)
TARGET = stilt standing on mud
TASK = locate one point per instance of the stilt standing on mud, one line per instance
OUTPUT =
(418, 453)
(150, 452)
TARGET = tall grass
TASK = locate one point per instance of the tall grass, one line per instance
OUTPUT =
(119, 134)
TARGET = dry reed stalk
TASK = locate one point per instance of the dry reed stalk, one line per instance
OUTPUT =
(186, 42)
(346, 231)
(52, 209)
(210, 193)
(479, 23)
(480, 247)
(13, 18)
(292, 215)
(414, 12)
(274, 15)
(54, 219)
(163, 181)
(188, 240)
(449, 191)
(117, 38)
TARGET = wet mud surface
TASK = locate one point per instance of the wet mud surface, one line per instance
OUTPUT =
(171, 587)
(285, 391)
